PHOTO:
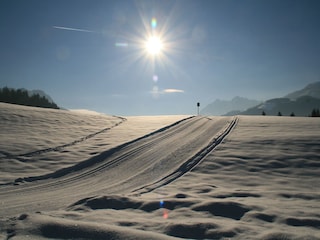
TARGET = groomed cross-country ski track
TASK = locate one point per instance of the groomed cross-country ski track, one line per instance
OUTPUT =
(133, 168)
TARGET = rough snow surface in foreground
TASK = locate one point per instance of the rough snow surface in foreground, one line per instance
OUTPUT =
(260, 182)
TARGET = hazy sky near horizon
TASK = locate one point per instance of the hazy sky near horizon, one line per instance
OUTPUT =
(91, 53)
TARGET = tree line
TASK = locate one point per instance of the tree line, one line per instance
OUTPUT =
(22, 97)
(315, 113)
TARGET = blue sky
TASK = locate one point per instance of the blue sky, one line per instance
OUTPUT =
(91, 54)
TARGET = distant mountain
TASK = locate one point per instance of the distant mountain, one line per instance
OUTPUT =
(303, 106)
(301, 103)
(229, 107)
(312, 90)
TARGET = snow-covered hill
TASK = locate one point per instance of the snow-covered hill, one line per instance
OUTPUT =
(79, 175)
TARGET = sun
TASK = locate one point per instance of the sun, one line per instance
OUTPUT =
(154, 45)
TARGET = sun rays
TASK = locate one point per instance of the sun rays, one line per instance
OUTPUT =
(154, 45)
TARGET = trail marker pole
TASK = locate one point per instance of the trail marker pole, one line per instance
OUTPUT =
(198, 105)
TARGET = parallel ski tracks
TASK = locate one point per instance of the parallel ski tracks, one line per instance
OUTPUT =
(156, 160)
(189, 164)
(112, 157)
(105, 159)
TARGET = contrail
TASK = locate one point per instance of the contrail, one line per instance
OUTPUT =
(72, 29)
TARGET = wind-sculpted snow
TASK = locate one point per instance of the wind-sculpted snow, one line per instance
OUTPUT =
(174, 178)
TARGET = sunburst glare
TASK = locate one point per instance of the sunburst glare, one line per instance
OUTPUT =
(154, 45)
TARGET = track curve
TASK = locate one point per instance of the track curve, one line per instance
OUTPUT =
(136, 167)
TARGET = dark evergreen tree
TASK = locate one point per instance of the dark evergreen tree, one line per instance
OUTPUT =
(21, 96)
(315, 112)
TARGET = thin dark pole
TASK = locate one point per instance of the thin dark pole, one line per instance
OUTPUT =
(198, 105)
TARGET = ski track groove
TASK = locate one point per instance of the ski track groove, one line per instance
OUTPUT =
(123, 157)
(73, 177)
(61, 147)
(133, 168)
(189, 164)
(133, 152)
(101, 157)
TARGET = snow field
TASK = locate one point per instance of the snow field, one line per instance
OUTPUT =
(260, 182)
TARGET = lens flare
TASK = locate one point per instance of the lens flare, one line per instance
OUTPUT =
(155, 78)
(165, 213)
(121, 44)
(161, 203)
(154, 23)
(155, 92)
